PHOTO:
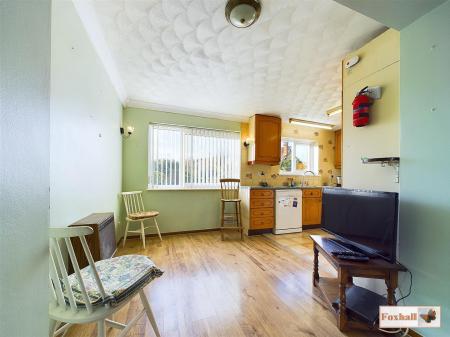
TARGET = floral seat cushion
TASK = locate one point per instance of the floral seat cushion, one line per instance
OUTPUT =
(143, 215)
(121, 276)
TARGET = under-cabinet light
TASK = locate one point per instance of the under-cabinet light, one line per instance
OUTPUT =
(334, 111)
(311, 124)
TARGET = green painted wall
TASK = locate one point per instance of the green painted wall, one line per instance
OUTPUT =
(179, 210)
(424, 237)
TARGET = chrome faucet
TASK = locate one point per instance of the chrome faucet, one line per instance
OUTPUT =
(305, 183)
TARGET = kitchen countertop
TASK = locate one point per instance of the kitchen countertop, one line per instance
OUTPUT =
(281, 187)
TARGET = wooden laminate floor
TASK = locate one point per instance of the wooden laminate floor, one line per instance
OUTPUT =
(257, 287)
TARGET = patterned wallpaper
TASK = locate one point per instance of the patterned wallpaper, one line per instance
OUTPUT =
(251, 174)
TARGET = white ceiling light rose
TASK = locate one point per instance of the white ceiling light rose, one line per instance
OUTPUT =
(242, 13)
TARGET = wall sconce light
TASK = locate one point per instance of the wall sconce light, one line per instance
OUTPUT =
(129, 131)
(247, 142)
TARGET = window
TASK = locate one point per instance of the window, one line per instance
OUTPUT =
(298, 156)
(185, 157)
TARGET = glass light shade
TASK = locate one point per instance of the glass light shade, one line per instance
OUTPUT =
(242, 15)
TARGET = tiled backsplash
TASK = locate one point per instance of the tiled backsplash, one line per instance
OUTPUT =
(251, 175)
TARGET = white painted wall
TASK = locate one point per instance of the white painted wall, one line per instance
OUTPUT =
(85, 142)
(379, 66)
(24, 165)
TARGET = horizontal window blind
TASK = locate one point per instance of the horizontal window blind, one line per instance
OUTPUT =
(184, 157)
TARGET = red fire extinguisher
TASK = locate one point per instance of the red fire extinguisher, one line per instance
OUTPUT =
(361, 108)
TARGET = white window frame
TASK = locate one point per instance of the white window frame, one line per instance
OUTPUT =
(314, 157)
(183, 185)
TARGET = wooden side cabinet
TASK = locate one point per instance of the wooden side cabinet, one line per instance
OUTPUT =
(265, 131)
(311, 207)
(338, 149)
(102, 243)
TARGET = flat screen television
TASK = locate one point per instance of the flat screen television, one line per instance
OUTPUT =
(365, 220)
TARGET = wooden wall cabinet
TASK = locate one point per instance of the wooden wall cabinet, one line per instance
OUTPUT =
(265, 132)
(338, 149)
(311, 207)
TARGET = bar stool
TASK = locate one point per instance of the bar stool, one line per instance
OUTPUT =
(232, 220)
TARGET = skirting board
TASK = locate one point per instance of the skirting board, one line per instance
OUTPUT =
(171, 233)
(259, 231)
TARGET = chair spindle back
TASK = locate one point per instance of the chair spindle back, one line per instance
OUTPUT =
(133, 202)
(229, 188)
(60, 237)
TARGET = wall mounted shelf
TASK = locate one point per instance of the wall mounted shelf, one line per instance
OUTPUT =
(383, 161)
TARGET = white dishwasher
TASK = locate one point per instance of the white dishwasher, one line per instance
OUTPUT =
(288, 211)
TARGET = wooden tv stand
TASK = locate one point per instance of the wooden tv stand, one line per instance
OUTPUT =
(332, 288)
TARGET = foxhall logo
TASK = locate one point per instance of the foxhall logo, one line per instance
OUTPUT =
(410, 317)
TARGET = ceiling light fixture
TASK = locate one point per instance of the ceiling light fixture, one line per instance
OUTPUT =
(242, 13)
(310, 124)
(334, 111)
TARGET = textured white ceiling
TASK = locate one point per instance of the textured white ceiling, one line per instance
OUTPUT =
(184, 54)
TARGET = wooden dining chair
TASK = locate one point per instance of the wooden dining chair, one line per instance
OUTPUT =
(96, 292)
(232, 220)
(134, 206)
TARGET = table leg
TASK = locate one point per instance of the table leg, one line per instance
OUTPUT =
(342, 318)
(316, 266)
(391, 284)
